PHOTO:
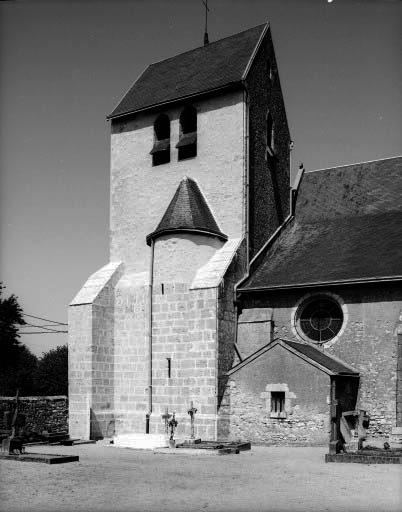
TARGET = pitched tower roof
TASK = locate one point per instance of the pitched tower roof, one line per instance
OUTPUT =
(209, 68)
(187, 212)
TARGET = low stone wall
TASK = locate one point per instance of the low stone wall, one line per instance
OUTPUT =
(42, 412)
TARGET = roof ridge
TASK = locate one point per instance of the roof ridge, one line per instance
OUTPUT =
(354, 163)
(208, 45)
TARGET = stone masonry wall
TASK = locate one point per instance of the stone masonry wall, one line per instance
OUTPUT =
(248, 401)
(42, 412)
(79, 370)
(227, 330)
(367, 342)
(269, 176)
(91, 355)
(102, 402)
(184, 330)
(131, 353)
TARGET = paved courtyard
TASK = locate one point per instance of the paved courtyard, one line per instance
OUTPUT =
(264, 479)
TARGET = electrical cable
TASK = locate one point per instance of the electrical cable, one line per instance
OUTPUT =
(45, 319)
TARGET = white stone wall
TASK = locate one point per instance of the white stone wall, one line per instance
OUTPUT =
(109, 319)
(91, 354)
(178, 257)
(140, 193)
(131, 352)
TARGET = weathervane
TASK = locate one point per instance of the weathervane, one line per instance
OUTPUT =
(206, 39)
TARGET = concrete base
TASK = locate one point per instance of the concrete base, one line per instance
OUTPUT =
(140, 441)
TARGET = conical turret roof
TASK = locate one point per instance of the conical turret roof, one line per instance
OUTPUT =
(187, 212)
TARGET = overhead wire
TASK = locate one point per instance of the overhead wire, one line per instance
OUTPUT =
(44, 332)
(44, 319)
(41, 327)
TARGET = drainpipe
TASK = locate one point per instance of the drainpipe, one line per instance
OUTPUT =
(246, 137)
(246, 123)
(151, 282)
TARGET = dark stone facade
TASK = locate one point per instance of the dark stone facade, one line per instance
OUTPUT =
(269, 175)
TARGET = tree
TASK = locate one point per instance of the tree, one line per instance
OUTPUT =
(20, 374)
(10, 320)
(52, 373)
(17, 363)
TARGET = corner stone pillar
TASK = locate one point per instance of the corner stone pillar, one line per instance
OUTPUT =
(91, 355)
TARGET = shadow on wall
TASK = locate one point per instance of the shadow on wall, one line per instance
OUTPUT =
(95, 429)
(101, 428)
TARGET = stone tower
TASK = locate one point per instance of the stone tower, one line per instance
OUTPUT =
(199, 181)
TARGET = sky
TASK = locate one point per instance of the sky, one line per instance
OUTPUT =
(64, 65)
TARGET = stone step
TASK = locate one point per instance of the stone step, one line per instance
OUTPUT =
(140, 441)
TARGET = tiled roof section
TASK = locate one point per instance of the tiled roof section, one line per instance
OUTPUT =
(347, 227)
(359, 189)
(313, 355)
(188, 211)
(218, 64)
(335, 366)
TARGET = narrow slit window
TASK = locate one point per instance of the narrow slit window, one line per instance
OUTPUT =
(169, 367)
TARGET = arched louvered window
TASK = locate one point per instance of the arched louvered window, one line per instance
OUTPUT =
(187, 144)
(161, 148)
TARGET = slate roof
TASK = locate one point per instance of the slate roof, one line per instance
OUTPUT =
(187, 212)
(313, 355)
(346, 228)
(219, 64)
(334, 365)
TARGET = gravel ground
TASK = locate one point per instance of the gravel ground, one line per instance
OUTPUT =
(263, 479)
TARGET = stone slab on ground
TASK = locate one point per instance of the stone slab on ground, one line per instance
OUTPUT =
(215, 445)
(364, 458)
(46, 458)
(195, 451)
(75, 442)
